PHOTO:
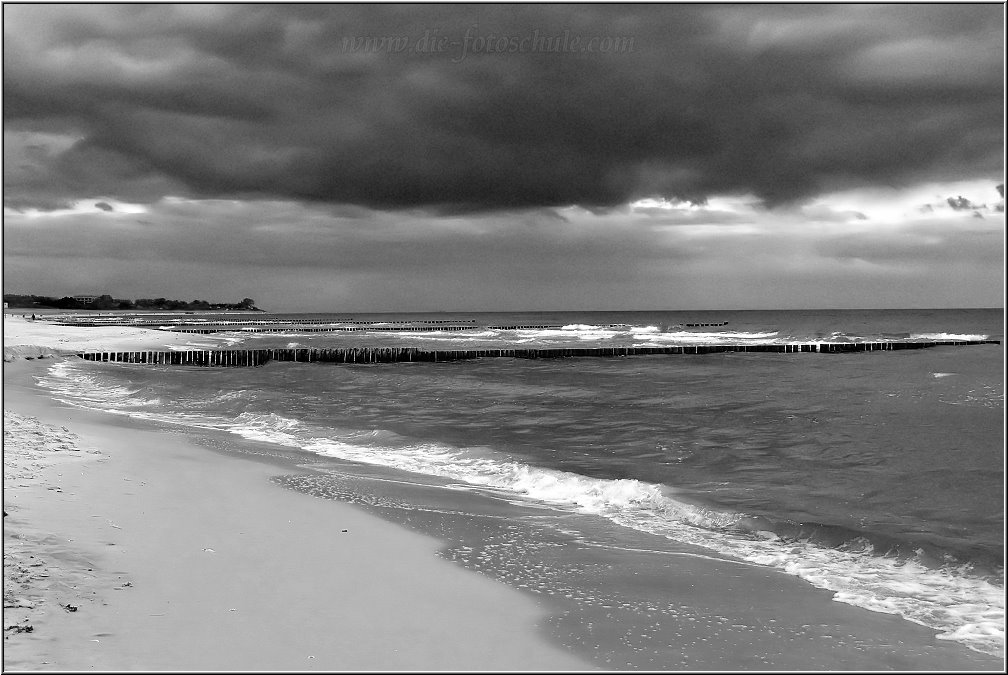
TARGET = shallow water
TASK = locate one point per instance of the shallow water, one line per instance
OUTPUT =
(877, 477)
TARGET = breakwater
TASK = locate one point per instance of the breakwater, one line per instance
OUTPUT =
(258, 357)
(176, 321)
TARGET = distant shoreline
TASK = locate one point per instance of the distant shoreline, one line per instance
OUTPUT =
(122, 312)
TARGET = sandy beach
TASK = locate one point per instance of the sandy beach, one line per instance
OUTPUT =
(27, 337)
(512, 337)
(128, 548)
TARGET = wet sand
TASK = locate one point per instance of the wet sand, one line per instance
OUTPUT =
(157, 554)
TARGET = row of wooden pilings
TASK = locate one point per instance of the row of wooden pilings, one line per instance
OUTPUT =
(203, 357)
(258, 357)
(114, 321)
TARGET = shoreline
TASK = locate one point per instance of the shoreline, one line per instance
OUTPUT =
(334, 588)
(155, 495)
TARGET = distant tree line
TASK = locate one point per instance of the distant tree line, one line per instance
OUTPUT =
(107, 302)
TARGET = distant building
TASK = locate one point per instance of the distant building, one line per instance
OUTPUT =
(85, 299)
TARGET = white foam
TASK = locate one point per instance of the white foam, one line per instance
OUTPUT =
(966, 609)
(269, 427)
(580, 331)
(483, 468)
(948, 336)
(950, 603)
(263, 335)
(689, 337)
(63, 379)
(477, 336)
(840, 335)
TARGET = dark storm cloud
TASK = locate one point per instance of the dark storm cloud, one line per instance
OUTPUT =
(960, 203)
(132, 102)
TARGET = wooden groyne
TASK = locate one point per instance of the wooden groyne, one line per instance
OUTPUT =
(258, 357)
(203, 357)
(188, 322)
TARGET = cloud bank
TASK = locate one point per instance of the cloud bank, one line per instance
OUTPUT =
(293, 102)
(398, 157)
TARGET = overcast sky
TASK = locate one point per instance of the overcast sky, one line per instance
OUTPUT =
(481, 157)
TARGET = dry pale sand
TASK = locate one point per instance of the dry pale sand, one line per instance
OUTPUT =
(25, 337)
(157, 554)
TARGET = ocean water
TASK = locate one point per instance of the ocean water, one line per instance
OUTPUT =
(877, 477)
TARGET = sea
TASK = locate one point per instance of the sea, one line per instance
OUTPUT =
(875, 477)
